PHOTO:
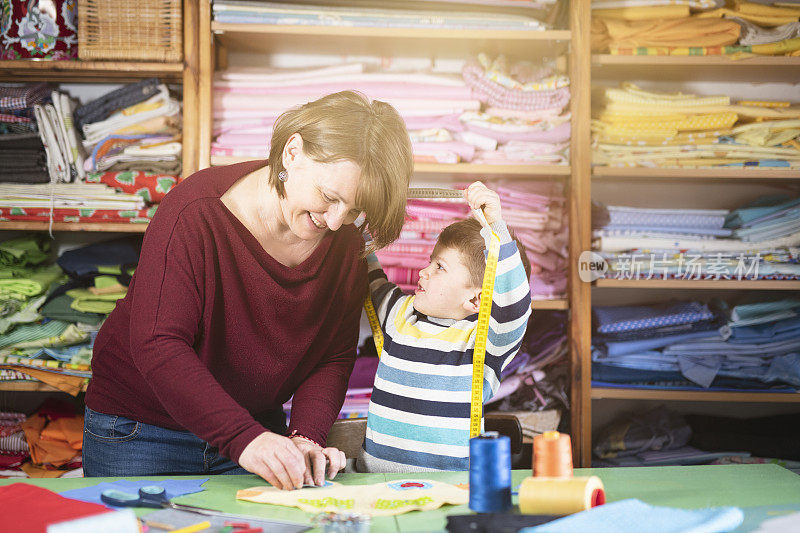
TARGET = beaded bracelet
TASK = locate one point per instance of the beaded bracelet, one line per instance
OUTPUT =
(294, 434)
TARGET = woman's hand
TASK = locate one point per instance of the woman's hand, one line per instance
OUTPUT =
(480, 196)
(276, 459)
(315, 458)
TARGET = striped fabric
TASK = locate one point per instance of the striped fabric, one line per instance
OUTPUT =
(420, 405)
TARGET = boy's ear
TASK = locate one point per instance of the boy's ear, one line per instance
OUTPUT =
(473, 304)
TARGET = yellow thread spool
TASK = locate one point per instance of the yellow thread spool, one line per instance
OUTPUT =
(560, 496)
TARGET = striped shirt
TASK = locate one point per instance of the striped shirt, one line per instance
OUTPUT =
(420, 405)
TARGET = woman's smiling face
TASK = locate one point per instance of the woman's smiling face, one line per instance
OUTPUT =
(320, 197)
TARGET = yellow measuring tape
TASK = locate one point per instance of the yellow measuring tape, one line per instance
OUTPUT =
(484, 312)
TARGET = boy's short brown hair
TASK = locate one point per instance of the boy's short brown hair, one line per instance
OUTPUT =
(465, 237)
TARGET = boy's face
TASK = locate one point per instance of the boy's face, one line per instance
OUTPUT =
(445, 289)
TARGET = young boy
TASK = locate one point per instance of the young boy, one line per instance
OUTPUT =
(419, 411)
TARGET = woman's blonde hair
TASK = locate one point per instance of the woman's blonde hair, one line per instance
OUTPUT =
(347, 126)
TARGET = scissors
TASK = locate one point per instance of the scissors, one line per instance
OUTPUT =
(155, 496)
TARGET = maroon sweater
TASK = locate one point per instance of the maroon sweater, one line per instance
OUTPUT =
(215, 333)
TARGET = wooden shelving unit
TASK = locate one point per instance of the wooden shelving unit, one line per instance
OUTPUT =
(184, 73)
(700, 183)
(560, 305)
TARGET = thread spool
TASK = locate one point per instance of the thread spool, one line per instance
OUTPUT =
(490, 473)
(552, 455)
(560, 496)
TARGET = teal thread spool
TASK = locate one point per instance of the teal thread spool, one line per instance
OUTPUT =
(490, 473)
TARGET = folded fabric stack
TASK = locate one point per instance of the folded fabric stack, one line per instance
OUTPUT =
(691, 344)
(757, 242)
(694, 27)
(473, 16)
(523, 120)
(29, 338)
(71, 202)
(49, 320)
(54, 434)
(22, 154)
(536, 213)
(675, 130)
(136, 127)
(537, 378)
(247, 102)
(13, 446)
(65, 155)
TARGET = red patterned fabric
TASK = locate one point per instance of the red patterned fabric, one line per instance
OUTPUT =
(42, 214)
(151, 187)
(33, 29)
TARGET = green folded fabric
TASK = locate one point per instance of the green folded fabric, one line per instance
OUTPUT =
(85, 301)
(51, 333)
(60, 308)
(36, 282)
(27, 314)
(26, 250)
(39, 339)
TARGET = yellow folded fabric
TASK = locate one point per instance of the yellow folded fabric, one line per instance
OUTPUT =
(761, 20)
(680, 123)
(691, 31)
(763, 10)
(787, 46)
(643, 13)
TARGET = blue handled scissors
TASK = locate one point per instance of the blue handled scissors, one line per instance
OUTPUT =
(155, 496)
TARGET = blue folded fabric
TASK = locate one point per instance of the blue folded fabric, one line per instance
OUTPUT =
(633, 346)
(635, 516)
(618, 318)
(174, 488)
(88, 261)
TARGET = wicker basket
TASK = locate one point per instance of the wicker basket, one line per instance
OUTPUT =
(124, 30)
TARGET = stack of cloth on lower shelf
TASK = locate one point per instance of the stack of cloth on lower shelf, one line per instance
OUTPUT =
(642, 128)
(696, 27)
(759, 241)
(483, 110)
(660, 437)
(691, 344)
(537, 379)
(50, 313)
(110, 160)
(47, 443)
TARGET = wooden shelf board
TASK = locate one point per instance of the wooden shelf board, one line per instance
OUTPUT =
(600, 393)
(458, 168)
(550, 304)
(117, 227)
(694, 61)
(698, 284)
(695, 173)
(392, 33)
(87, 70)
(27, 386)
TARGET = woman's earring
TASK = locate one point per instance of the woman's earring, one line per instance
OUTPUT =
(283, 176)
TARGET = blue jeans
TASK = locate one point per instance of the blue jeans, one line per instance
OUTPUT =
(118, 446)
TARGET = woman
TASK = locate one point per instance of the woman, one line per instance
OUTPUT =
(249, 292)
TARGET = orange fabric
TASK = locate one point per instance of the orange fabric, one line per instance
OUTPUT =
(38, 471)
(70, 384)
(53, 442)
(690, 31)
